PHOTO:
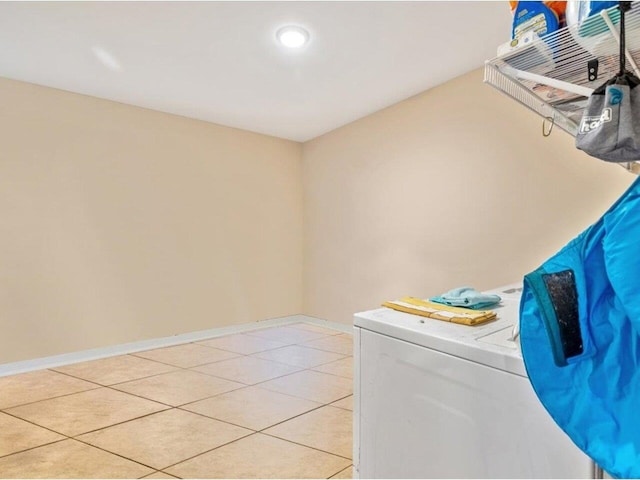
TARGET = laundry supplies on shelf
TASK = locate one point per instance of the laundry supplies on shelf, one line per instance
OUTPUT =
(438, 311)
(539, 17)
(555, 75)
(467, 297)
(584, 13)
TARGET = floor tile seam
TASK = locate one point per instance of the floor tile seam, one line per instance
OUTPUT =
(308, 446)
(325, 350)
(250, 432)
(215, 395)
(291, 418)
(257, 385)
(272, 379)
(192, 366)
(116, 454)
(321, 335)
(350, 395)
(341, 408)
(338, 332)
(285, 343)
(188, 369)
(320, 404)
(332, 361)
(253, 430)
(302, 369)
(328, 373)
(207, 451)
(73, 376)
(349, 334)
(125, 381)
(113, 387)
(222, 378)
(245, 385)
(240, 353)
(36, 446)
(177, 369)
(97, 386)
(253, 355)
(298, 396)
(302, 366)
(173, 476)
(340, 471)
(303, 345)
(75, 437)
(37, 425)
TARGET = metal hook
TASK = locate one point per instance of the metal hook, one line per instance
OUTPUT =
(546, 133)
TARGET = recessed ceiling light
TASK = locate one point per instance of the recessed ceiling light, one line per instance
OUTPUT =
(292, 36)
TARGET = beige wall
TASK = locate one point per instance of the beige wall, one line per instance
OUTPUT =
(453, 187)
(120, 224)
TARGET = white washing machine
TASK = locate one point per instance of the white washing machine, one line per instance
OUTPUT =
(440, 400)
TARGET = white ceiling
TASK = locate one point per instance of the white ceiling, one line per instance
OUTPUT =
(218, 61)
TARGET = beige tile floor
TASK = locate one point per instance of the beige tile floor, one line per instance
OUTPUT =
(268, 403)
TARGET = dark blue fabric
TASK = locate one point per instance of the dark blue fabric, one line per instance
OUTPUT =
(595, 396)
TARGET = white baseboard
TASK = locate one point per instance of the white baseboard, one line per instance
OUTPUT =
(103, 352)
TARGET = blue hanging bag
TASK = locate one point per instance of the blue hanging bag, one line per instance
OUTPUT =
(580, 337)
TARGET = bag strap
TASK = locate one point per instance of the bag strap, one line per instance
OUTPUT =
(624, 7)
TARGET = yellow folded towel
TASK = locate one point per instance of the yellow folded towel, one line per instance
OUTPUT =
(438, 311)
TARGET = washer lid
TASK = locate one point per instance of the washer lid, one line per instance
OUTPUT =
(491, 344)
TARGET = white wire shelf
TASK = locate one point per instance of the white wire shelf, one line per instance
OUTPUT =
(550, 75)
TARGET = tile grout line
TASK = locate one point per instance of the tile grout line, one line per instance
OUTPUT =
(350, 466)
(298, 396)
(114, 453)
(257, 433)
(75, 437)
(328, 351)
(250, 384)
(4, 410)
(172, 476)
(187, 368)
(350, 395)
(338, 332)
(33, 423)
(37, 446)
(291, 418)
(161, 471)
(142, 398)
(319, 337)
(179, 407)
(305, 367)
(118, 383)
(169, 406)
(320, 405)
(177, 368)
(240, 353)
(208, 451)
(329, 373)
(217, 419)
(303, 445)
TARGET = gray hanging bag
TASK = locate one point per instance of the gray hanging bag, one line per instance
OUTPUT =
(610, 126)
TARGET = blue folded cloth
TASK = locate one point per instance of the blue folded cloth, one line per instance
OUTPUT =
(467, 297)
